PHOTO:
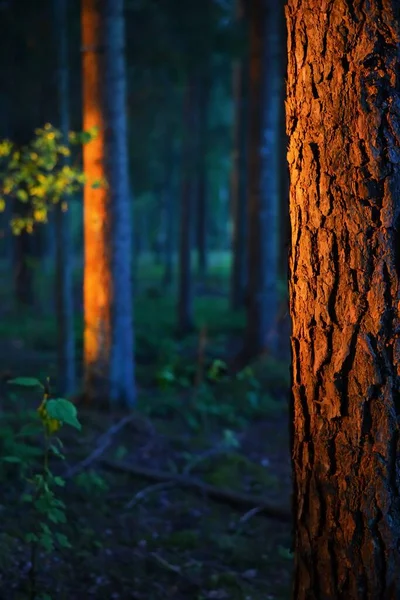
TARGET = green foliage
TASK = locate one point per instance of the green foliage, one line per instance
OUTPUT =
(38, 175)
(40, 490)
(63, 411)
(29, 382)
(230, 400)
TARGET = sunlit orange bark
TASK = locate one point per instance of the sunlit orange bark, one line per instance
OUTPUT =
(97, 259)
(343, 120)
(108, 335)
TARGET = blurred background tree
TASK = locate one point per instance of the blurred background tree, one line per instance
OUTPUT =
(192, 163)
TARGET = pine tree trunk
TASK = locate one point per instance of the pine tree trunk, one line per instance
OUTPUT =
(23, 273)
(239, 178)
(343, 115)
(169, 205)
(185, 299)
(23, 255)
(108, 338)
(202, 180)
(6, 216)
(263, 182)
(238, 188)
(64, 252)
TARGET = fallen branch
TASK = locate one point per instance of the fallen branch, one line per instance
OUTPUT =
(102, 444)
(235, 499)
(162, 485)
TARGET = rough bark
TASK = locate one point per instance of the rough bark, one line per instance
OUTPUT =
(108, 337)
(64, 255)
(185, 299)
(263, 179)
(343, 120)
(240, 83)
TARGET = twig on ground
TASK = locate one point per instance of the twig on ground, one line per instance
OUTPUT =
(250, 513)
(161, 561)
(148, 490)
(102, 444)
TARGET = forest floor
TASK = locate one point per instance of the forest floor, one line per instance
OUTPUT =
(186, 498)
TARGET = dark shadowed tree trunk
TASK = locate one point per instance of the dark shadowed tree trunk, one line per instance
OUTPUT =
(108, 337)
(202, 180)
(23, 273)
(185, 299)
(169, 208)
(343, 116)
(263, 182)
(7, 238)
(23, 255)
(240, 81)
(159, 221)
(64, 252)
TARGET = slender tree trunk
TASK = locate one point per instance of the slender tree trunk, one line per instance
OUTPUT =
(23, 273)
(7, 236)
(240, 82)
(343, 115)
(185, 299)
(159, 219)
(23, 244)
(49, 241)
(6, 233)
(169, 203)
(169, 241)
(263, 182)
(108, 338)
(202, 191)
(64, 252)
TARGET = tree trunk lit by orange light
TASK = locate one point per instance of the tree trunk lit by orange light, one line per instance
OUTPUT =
(108, 346)
(97, 282)
(343, 121)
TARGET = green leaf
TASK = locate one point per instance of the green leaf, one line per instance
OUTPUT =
(285, 553)
(56, 451)
(11, 459)
(56, 516)
(46, 541)
(22, 195)
(64, 411)
(26, 382)
(59, 481)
